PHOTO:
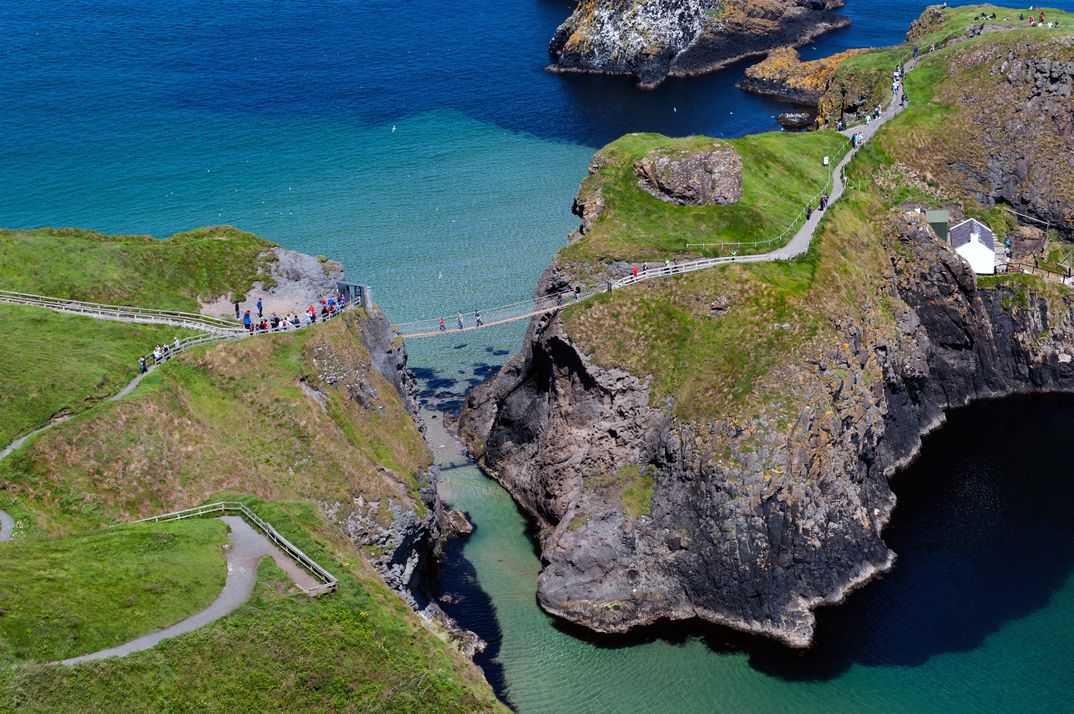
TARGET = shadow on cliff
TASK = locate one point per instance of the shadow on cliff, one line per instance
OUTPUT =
(984, 537)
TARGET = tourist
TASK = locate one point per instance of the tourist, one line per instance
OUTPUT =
(477, 318)
(164, 353)
(236, 310)
(156, 355)
(458, 318)
(259, 313)
(274, 322)
(442, 327)
(809, 212)
(142, 368)
(915, 51)
(634, 270)
(176, 344)
(295, 321)
(247, 322)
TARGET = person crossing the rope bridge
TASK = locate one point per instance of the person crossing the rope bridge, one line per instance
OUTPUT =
(443, 328)
(477, 318)
(458, 317)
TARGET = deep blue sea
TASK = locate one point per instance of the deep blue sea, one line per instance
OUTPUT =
(423, 145)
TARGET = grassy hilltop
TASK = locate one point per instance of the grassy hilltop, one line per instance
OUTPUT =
(709, 340)
(286, 423)
(168, 274)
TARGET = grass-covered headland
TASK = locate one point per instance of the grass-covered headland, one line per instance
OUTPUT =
(290, 423)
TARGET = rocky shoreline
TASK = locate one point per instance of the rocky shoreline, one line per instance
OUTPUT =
(679, 38)
(723, 542)
(752, 518)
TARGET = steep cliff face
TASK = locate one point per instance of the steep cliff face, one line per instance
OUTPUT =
(753, 523)
(997, 122)
(652, 39)
(399, 532)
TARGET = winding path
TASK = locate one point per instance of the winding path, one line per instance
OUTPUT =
(7, 523)
(246, 550)
(797, 245)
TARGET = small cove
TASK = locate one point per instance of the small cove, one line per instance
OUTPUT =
(976, 613)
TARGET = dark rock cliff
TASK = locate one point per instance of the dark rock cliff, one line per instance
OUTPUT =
(781, 518)
(399, 535)
(652, 40)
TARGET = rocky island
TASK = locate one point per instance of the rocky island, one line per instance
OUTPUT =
(718, 445)
(657, 39)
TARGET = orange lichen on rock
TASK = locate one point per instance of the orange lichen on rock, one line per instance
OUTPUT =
(785, 75)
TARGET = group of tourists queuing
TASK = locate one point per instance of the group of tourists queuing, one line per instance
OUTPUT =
(161, 353)
(461, 322)
(821, 205)
(328, 307)
(275, 323)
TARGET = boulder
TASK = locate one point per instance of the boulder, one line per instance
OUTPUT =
(795, 121)
(705, 178)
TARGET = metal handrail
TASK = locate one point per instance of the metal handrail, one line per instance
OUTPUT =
(134, 314)
(330, 583)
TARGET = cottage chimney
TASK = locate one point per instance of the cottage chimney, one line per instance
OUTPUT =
(975, 234)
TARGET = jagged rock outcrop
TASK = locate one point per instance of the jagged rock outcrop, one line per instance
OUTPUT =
(784, 76)
(701, 178)
(753, 523)
(652, 39)
(399, 534)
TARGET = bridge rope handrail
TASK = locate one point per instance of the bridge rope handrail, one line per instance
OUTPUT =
(537, 305)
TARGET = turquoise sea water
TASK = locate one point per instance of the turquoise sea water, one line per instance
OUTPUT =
(278, 117)
(978, 614)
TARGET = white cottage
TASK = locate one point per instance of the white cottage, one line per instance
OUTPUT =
(974, 241)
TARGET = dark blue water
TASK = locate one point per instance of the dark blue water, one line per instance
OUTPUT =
(423, 144)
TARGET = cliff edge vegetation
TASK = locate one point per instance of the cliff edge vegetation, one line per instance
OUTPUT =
(621, 222)
(314, 429)
(718, 444)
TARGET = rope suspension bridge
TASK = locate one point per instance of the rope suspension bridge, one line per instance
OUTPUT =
(801, 230)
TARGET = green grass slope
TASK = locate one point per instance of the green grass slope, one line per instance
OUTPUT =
(133, 270)
(867, 77)
(55, 364)
(358, 650)
(284, 416)
(726, 342)
(63, 597)
(781, 172)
